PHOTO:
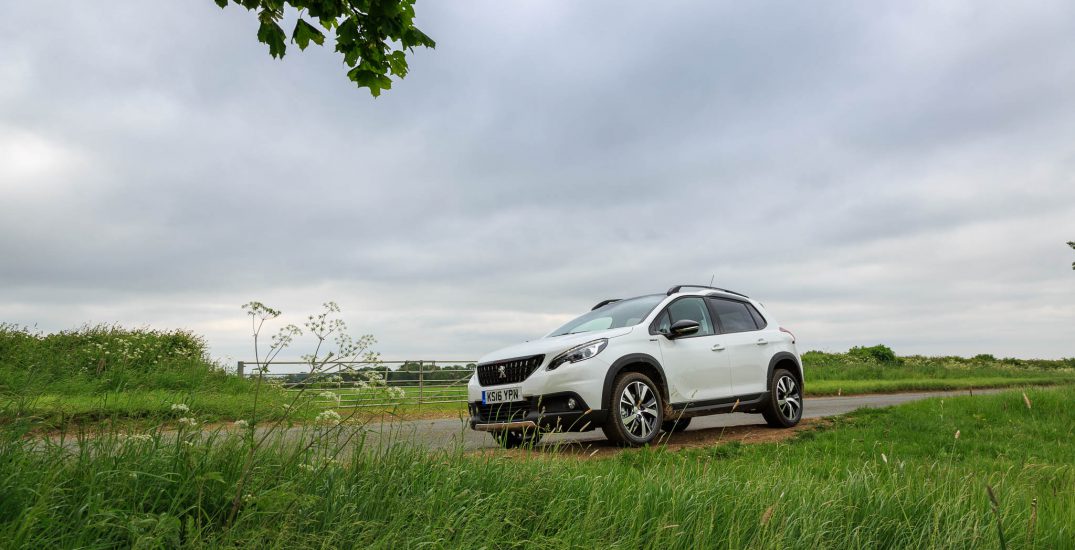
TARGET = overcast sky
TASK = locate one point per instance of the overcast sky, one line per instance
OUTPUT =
(898, 173)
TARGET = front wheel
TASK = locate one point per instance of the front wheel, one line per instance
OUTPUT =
(785, 407)
(636, 412)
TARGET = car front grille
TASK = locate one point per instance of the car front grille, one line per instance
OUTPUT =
(500, 412)
(508, 372)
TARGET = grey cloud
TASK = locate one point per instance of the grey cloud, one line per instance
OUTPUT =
(882, 173)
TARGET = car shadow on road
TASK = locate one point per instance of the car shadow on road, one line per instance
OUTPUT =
(599, 447)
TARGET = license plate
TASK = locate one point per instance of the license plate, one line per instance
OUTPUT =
(502, 395)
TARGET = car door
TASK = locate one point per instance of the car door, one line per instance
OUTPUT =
(696, 366)
(747, 345)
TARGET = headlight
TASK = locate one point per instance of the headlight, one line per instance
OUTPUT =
(578, 353)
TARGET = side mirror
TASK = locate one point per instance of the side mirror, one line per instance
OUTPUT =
(686, 327)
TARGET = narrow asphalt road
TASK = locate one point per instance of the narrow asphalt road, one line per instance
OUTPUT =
(448, 432)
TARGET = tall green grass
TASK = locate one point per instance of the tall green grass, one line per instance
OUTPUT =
(891, 478)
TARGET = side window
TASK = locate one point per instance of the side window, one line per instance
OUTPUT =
(689, 308)
(758, 319)
(734, 316)
(663, 324)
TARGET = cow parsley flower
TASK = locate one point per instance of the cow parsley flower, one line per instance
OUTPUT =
(328, 417)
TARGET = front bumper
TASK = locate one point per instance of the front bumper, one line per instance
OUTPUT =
(548, 412)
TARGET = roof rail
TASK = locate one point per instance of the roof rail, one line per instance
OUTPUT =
(605, 303)
(676, 288)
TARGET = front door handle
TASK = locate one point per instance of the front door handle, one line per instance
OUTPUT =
(718, 347)
(762, 341)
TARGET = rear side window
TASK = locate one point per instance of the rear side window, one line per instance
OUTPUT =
(733, 316)
(758, 319)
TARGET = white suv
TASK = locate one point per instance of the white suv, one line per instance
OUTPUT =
(637, 366)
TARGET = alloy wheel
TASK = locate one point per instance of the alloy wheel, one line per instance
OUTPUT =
(638, 410)
(788, 398)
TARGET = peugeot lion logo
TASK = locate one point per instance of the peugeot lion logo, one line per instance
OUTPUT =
(503, 373)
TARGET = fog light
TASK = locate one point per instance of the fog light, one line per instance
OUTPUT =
(571, 404)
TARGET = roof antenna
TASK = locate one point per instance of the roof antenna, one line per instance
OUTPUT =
(711, 279)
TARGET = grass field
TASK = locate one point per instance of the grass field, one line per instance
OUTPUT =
(915, 476)
(919, 475)
(877, 369)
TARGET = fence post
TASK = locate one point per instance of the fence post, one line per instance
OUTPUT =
(421, 383)
(239, 368)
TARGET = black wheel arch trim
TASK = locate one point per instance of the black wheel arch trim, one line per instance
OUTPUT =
(797, 371)
(631, 359)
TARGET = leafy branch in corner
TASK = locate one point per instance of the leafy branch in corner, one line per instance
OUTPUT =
(1072, 245)
(374, 36)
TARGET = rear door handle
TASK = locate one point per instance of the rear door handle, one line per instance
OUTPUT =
(762, 341)
(718, 347)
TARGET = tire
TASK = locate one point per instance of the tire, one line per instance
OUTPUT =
(513, 439)
(675, 426)
(629, 425)
(785, 406)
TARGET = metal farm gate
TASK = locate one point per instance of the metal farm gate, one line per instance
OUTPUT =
(383, 384)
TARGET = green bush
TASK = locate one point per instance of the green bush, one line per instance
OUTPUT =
(96, 350)
(106, 371)
(880, 353)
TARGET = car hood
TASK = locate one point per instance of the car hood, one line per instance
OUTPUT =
(552, 345)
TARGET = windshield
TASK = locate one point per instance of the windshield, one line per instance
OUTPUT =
(624, 313)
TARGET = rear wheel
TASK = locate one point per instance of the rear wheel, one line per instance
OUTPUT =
(514, 438)
(785, 407)
(675, 426)
(636, 412)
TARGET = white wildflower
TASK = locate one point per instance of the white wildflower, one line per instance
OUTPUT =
(188, 421)
(241, 424)
(307, 467)
(329, 396)
(328, 417)
(180, 408)
(139, 438)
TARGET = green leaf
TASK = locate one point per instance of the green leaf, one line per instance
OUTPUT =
(366, 78)
(397, 61)
(304, 33)
(270, 33)
(221, 3)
